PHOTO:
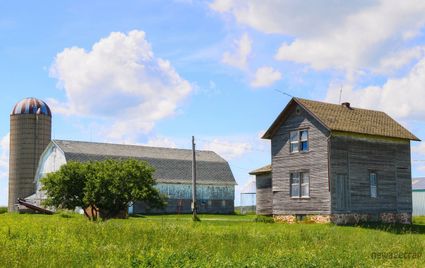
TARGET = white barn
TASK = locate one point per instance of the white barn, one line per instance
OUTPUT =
(173, 173)
(418, 196)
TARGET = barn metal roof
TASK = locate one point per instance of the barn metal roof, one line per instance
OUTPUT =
(31, 106)
(171, 165)
(346, 119)
(418, 184)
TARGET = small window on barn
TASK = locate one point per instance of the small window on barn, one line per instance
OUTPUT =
(298, 141)
(300, 184)
(223, 203)
(373, 184)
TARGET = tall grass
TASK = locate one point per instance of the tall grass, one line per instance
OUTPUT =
(175, 241)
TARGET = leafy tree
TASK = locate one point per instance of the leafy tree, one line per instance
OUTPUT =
(105, 188)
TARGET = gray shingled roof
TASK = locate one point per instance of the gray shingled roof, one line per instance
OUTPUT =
(262, 170)
(354, 120)
(418, 184)
(171, 165)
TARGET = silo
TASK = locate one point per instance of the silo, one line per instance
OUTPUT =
(30, 133)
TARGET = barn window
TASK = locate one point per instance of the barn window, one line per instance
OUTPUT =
(373, 184)
(298, 141)
(300, 184)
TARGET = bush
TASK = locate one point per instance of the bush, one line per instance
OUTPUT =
(3, 210)
(264, 219)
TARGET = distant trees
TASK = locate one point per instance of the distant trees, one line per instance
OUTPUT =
(104, 188)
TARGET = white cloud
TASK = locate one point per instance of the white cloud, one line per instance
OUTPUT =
(160, 141)
(239, 57)
(121, 81)
(4, 169)
(400, 97)
(344, 35)
(265, 76)
(226, 148)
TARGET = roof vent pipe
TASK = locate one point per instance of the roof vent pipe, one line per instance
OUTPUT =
(346, 105)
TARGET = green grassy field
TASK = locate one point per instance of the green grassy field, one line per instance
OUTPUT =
(69, 240)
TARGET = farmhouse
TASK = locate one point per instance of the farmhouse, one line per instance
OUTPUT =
(173, 173)
(418, 196)
(336, 163)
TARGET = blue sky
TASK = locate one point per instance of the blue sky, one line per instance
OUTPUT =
(158, 72)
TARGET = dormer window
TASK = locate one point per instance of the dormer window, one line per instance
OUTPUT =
(298, 141)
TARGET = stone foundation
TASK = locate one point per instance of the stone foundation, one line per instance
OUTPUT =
(350, 218)
(285, 218)
(319, 218)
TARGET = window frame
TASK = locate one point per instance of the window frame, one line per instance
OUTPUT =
(373, 193)
(300, 174)
(299, 141)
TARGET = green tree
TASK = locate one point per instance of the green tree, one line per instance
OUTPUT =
(104, 188)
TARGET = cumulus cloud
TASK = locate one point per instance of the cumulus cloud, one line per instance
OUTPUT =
(400, 97)
(345, 35)
(265, 76)
(160, 141)
(226, 148)
(119, 80)
(239, 57)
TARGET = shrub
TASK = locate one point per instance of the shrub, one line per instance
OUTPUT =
(264, 219)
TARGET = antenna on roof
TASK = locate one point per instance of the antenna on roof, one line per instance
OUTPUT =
(284, 93)
(340, 95)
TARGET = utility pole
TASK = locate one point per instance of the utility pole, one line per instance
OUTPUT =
(194, 205)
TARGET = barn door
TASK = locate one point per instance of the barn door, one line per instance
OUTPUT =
(342, 192)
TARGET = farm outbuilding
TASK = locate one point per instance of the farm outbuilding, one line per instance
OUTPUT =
(336, 163)
(418, 196)
(173, 173)
(263, 181)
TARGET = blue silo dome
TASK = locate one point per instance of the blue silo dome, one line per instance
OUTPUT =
(31, 106)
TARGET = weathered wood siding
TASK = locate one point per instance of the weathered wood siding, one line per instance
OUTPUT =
(264, 196)
(211, 199)
(355, 156)
(315, 161)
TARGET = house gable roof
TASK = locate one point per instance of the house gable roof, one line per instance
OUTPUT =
(346, 119)
(262, 170)
(171, 165)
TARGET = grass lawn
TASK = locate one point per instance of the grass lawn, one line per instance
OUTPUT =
(69, 240)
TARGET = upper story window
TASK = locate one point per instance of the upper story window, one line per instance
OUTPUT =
(373, 178)
(298, 141)
(300, 184)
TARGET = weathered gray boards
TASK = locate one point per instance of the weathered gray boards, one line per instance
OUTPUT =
(30, 132)
(338, 163)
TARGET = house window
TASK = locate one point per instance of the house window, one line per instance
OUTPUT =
(373, 184)
(300, 184)
(298, 141)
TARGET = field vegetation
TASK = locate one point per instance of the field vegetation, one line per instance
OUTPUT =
(70, 240)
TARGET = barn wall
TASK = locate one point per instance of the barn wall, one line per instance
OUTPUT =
(264, 194)
(315, 161)
(211, 199)
(418, 201)
(355, 157)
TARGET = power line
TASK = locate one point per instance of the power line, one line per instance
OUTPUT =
(284, 93)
